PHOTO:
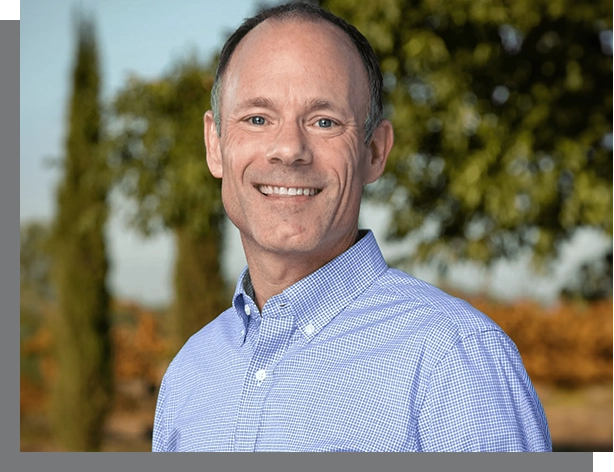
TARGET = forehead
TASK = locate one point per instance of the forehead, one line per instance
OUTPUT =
(300, 52)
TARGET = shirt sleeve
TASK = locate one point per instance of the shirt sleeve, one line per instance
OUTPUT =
(159, 441)
(480, 398)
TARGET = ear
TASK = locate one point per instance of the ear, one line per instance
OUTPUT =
(379, 148)
(212, 143)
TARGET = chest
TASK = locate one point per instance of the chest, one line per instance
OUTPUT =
(340, 394)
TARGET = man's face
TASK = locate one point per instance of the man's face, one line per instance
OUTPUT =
(292, 155)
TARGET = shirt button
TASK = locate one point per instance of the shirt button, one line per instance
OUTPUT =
(248, 310)
(242, 332)
(261, 375)
(309, 329)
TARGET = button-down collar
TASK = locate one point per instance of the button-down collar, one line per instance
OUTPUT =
(316, 299)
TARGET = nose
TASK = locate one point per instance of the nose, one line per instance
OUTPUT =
(289, 145)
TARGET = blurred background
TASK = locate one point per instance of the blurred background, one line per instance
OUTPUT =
(498, 190)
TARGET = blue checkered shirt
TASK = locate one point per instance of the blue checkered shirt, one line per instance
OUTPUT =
(354, 357)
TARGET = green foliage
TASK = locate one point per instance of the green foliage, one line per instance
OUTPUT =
(501, 111)
(200, 292)
(83, 386)
(34, 262)
(160, 163)
(34, 289)
(158, 150)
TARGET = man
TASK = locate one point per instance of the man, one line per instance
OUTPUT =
(325, 348)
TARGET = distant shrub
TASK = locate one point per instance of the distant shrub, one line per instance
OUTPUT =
(567, 345)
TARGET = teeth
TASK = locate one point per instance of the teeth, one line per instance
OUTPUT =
(270, 190)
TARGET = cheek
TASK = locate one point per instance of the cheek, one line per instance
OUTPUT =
(239, 141)
(227, 198)
(355, 155)
(231, 188)
(352, 174)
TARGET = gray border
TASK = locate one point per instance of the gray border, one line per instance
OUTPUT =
(310, 462)
(9, 234)
(9, 287)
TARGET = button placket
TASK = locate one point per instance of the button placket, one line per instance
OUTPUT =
(270, 346)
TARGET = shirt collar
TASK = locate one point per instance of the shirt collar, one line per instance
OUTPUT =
(316, 299)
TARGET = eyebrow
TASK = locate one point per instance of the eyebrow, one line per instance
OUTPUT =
(314, 104)
(256, 102)
(321, 104)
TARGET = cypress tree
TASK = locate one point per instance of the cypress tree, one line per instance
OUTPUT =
(83, 385)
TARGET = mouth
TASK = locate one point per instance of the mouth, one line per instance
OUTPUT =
(287, 191)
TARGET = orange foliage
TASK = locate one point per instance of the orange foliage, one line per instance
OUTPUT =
(32, 397)
(139, 350)
(569, 344)
(141, 355)
(41, 344)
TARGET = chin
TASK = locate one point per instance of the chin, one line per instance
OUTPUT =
(295, 245)
(289, 240)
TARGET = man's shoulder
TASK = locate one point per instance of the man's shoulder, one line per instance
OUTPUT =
(211, 339)
(428, 307)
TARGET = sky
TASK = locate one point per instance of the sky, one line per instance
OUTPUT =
(136, 36)
(143, 37)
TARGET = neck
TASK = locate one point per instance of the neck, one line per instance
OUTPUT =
(271, 272)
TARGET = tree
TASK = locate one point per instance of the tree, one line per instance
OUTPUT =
(83, 387)
(594, 281)
(503, 121)
(160, 164)
(35, 292)
(34, 264)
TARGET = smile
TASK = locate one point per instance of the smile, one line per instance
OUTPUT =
(287, 191)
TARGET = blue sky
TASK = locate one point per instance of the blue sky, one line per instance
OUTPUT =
(140, 36)
(143, 37)
(136, 36)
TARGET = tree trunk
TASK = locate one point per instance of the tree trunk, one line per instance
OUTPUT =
(200, 290)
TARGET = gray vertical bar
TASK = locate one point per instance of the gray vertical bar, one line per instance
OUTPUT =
(9, 232)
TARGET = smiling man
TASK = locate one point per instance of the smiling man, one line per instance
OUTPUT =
(325, 348)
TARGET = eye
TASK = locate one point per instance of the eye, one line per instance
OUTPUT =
(325, 123)
(257, 120)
